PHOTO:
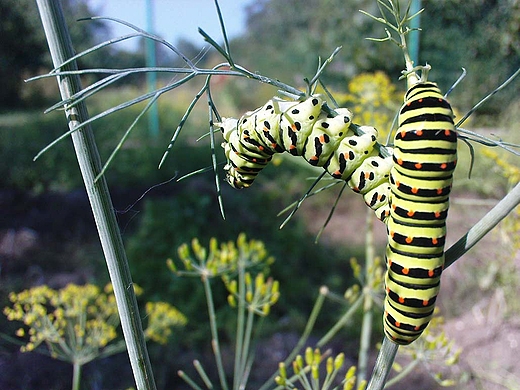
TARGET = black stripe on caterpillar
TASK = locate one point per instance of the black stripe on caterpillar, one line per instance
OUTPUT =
(305, 128)
(425, 155)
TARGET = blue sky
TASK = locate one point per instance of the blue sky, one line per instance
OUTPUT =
(175, 18)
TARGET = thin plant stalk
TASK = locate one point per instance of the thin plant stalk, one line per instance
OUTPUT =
(366, 326)
(61, 49)
(318, 304)
(240, 324)
(341, 322)
(242, 374)
(76, 375)
(214, 333)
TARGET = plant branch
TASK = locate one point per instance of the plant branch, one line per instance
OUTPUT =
(87, 154)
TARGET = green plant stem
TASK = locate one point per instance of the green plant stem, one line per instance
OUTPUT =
(214, 333)
(366, 326)
(239, 341)
(385, 360)
(341, 322)
(305, 335)
(76, 376)
(61, 49)
(242, 378)
(408, 369)
(188, 380)
(484, 226)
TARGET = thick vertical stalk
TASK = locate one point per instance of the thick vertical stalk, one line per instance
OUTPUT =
(366, 327)
(239, 342)
(61, 49)
(214, 332)
(76, 376)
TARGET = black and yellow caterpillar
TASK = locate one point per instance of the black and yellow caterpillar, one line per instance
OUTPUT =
(408, 191)
(425, 155)
(306, 129)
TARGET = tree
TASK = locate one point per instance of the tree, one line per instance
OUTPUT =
(22, 47)
(285, 37)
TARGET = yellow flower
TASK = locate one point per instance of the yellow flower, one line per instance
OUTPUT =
(161, 318)
(77, 322)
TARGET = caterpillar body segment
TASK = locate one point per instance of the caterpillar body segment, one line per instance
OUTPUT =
(425, 155)
(306, 129)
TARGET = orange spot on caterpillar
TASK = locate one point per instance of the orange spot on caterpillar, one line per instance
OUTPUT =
(410, 213)
(447, 132)
(418, 166)
(293, 127)
(400, 161)
(419, 132)
(403, 133)
(426, 302)
(435, 241)
(439, 191)
(430, 273)
(367, 175)
(292, 147)
(415, 190)
(398, 324)
(420, 100)
(416, 328)
(389, 262)
(397, 183)
(406, 271)
(444, 166)
(322, 139)
(314, 158)
(401, 300)
(392, 234)
(260, 147)
(437, 214)
(409, 240)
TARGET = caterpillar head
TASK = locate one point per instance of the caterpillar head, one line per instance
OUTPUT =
(227, 126)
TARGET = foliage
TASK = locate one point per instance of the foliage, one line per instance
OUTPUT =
(307, 372)
(276, 34)
(22, 48)
(455, 34)
(482, 36)
(26, 133)
(251, 299)
(374, 101)
(21, 56)
(78, 324)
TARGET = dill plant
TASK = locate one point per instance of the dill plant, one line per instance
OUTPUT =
(79, 324)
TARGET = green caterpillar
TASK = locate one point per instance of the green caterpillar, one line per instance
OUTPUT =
(408, 191)
(425, 155)
(306, 129)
